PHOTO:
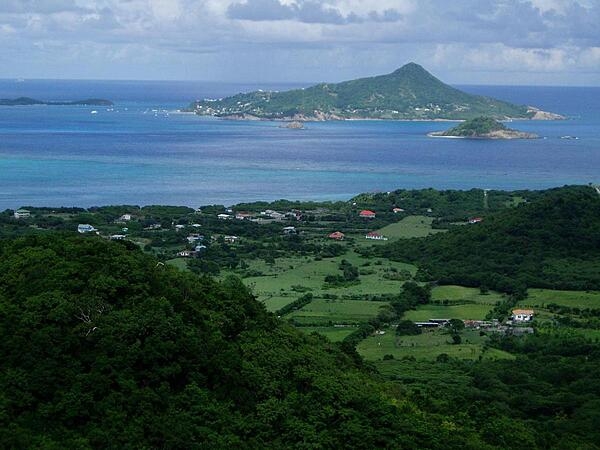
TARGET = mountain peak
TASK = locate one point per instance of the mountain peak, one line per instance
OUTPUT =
(411, 67)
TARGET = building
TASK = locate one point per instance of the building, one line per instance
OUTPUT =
(397, 210)
(224, 217)
(337, 235)
(367, 214)
(522, 315)
(85, 228)
(475, 219)
(289, 230)
(124, 218)
(375, 236)
(22, 214)
(230, 239)
(117, 237)
(194, 237)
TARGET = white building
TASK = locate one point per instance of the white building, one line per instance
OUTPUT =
(85, 228)
(522, 315)
(22, 214)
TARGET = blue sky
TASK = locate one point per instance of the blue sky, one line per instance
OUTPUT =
(553, 42)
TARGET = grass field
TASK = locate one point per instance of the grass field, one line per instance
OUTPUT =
(458, 294)
(180, 263)
(428, 345)
(409, 227)
(336, 311)
(464, 312)
(574, 299)
(335, 334)
(288, 277)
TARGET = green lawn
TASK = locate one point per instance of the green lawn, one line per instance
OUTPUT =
(464, 312)
(337, 311)
(428, 345)
(409, 227)
(180, 263)
(458, 294)
(579, 299)
(335, 334)
(286, 276)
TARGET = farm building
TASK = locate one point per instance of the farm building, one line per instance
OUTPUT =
(368, 214)
(522, 315)
(337, 235)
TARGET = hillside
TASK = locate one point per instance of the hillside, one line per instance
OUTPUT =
(551, 242)
(483, 128)
(101, 346)
(408, 93)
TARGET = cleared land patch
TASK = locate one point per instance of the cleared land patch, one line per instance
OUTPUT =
(410, 227)
(336, 311)
(462, 294)
(465, 312)
(572, 299)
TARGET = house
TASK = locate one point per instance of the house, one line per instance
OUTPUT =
(397, 210)
(243, 215)
(337, 235)
(522, 315)
(224, 217)
(117, 237)
(475, 219)
(22, 214)
(179, 227)
(124, 218)
(186, 253)
(85, 228)
(375, 236)
(194, 237)
(289, 230)
(230, 239)
(367, 214)
(199, 248)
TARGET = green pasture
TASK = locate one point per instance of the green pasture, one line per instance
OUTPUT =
(460, 294)
(428, 345)
(335, 334)
(409, 227)
(294, 275)
(336, 311)
(465, 312)
(573, 299)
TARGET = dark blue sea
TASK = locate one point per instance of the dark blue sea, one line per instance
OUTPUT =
(143, 152)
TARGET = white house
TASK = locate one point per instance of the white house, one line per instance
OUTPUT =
(22, 214)
(85, 228)
(522, 315)
(224, 217)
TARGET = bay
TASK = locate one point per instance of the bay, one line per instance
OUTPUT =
(143, 152)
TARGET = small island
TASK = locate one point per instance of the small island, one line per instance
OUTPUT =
(293, 125)
(483, 128)
(27, 101)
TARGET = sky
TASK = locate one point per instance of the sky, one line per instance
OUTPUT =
(530, 42)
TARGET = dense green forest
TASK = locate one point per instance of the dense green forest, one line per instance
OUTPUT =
(552, 242)
(102, 346)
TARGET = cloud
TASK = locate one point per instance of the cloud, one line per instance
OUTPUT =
(307, 11)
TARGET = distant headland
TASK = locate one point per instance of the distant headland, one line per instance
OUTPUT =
(409, 93)
(27, 101)
(483, 128)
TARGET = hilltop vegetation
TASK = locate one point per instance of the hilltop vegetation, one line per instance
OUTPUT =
(483, 128)
(551, 242)
(27, 101)
(408, 93)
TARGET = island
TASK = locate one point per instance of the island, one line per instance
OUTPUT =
(27, 101)
(409, 93)
(293, 125)
(483, 128)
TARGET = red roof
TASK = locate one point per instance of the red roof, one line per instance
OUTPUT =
(367, 213)
(336, 235)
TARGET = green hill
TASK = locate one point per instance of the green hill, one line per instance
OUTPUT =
(103, 347)
(550, 242)
(408, 93)
(27, 101)
(483, 128)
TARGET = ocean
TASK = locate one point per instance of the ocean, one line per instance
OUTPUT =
(143, 152)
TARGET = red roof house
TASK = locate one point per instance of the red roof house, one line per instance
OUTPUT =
(367, 213)
(337, 235)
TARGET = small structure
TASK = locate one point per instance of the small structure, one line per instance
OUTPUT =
(337, 235)
(522, 315)
(117, 237)
(199, 248)
(289, 230)
(475, 219)
(375, 236)
(85, 228)
(224, 217)
(124, 218)
(427, 324)
(194, 237)
(179, 227)
(397, 210)
(22, 214)
(230, 239)
(243, 215)
(368, 214)
(186, 254)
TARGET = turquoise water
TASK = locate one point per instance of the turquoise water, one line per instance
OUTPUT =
(141, 152)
